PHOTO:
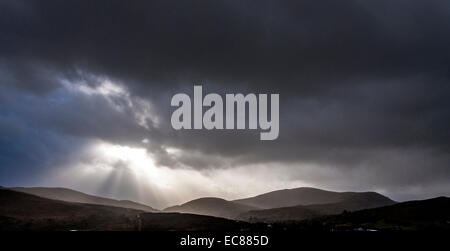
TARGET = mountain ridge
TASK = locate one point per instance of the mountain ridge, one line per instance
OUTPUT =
(70, 195)
(271, 207)
(25, 212)
(301, 212)
(21, 211)
(303, 196)
(211, 206)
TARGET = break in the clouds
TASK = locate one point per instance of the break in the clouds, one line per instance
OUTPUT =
(364, 96)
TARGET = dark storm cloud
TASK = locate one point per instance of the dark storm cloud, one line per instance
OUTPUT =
(27, 150)
(358, 80)
(299, 45)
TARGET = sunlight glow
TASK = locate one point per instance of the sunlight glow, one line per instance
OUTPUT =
(125, 172)
(135, 160)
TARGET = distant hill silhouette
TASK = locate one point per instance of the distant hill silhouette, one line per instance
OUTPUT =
(308, 203)
(354, 202)
(213, 207)
(308, 196)
(21, 211)
(70, 195)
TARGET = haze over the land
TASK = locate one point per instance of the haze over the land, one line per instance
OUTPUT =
(22, 211)
(85, 92)
(69, 195)
(284, 205)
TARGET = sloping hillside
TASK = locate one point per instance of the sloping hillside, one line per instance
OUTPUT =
(297, 213)
(70, 195)
(21, 211)
(213, 207)
(307, 196)
(412, 215)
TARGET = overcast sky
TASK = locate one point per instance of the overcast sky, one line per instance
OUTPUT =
(85, 89)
